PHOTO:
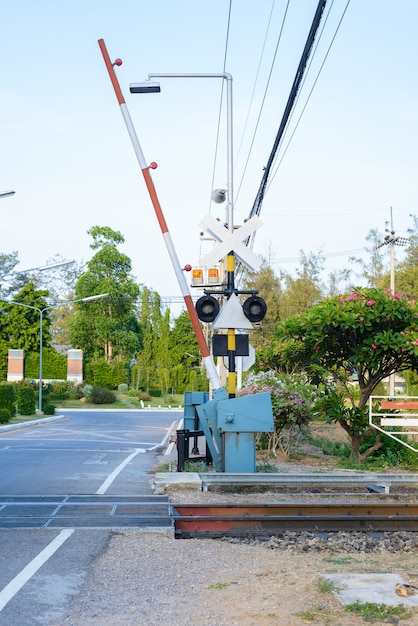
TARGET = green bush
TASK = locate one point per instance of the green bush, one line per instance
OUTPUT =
(123, 388)
(61, 386)
(155, 393)
(75, 393)
(4, 416)
(392, 452)
(101, 395)
(88, 391)
(58, 397)
(4, 358)
(8, 398)
(26, 402)
(48, 409)
(107, 375)
(139, 395)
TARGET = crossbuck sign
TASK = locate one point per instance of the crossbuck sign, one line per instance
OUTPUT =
(231, 241)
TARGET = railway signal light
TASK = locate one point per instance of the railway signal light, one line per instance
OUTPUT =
(207, 308)
(254, 309)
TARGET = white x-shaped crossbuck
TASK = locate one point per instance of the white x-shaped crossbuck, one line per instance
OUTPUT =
(231, 241)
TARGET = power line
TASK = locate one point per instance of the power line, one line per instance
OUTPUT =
(310, 93)
(265, 90)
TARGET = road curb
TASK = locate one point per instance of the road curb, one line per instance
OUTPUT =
(44, 420)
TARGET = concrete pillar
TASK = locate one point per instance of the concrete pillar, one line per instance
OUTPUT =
(16, 365)
(75, 366)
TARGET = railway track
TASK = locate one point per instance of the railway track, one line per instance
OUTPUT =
(266, 519)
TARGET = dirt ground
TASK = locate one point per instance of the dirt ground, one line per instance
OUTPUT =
(148, 579)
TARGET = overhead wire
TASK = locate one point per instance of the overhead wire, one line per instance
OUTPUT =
(215, 156)
(276, 167)
(265, 89)
(221, 100)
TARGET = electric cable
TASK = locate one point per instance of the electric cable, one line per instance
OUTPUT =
(276, 167)
(265, 91)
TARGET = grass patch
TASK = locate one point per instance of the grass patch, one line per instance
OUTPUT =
(324, 585)
(20, 419)
(219, 586)
(370, 611)
(316, 613)
(343, 560)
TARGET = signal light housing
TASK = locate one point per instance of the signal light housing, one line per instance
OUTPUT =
(197, 277)
(254, 309)
(213, 276)
(207, 308)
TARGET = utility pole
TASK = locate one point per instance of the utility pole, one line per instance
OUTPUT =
(392, 240)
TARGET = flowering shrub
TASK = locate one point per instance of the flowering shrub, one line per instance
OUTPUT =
(291, 400)
(368, 332)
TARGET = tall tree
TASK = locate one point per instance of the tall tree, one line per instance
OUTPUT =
(302, 292)
(145, 358)
(164, 360)
(107, 328)
(269, 288)
(373, 267)
(406, 273)
(8, 263)
(20, 325)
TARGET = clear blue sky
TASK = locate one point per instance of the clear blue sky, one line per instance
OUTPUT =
(66, 152)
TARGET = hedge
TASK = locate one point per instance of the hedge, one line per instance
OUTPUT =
(4, 416)
(54, 364)
(8, 398)
(26, 401)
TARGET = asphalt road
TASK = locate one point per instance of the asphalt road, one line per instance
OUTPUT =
(85, 453)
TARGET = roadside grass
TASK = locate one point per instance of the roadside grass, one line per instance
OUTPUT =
(124, 401)
(20, 419)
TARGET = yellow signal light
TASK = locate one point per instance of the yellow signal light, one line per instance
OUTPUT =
(197, 277)
(213, 275)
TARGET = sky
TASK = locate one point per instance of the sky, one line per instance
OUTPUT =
(348, 162)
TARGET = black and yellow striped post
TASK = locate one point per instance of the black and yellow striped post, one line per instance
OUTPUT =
(232, 374)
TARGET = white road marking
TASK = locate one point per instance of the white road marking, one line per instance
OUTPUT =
(109, 480)
(27, 572)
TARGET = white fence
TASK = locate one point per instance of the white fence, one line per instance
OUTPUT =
(395, 411)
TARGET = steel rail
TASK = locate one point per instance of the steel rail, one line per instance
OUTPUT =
(266, 519)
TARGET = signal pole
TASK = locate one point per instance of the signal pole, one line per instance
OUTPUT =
(392, 240)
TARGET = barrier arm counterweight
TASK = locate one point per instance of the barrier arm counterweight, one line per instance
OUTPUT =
(204, 350)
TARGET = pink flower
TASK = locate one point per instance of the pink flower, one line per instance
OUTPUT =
(361, 319)
(374, 346)
(317, 349)
(370, 302)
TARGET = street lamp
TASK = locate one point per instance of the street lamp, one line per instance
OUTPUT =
(218, 195)
(41, 313)
(6, 194)
(149, 86)
(44, 268)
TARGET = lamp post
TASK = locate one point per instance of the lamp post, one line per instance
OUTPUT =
(41, 314)
(150, 86)
(218, 195)
(6, 194)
